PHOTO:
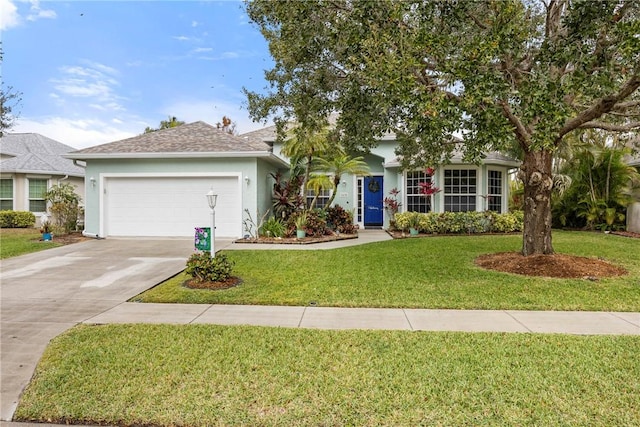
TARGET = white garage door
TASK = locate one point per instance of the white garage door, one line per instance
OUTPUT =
(170, 206)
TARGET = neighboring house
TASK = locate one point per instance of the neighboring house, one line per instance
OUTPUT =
(155, 184)
(464, 187)
(30, 164)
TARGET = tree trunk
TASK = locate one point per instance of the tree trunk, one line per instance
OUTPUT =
(538, 184)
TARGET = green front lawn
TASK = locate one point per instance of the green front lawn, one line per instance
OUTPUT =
(203, 375)
(20, 241)
(434, 272)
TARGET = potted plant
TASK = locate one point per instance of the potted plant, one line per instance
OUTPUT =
(45, 229)
(301, 223)
(414, 224)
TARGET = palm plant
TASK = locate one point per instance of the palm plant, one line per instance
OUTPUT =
(337, 166)
(602, 185)
(302, 146)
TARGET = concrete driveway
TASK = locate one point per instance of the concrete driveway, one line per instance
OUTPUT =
(45, 293)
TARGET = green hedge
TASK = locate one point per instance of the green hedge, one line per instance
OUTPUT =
(461, 222)
(17, 219)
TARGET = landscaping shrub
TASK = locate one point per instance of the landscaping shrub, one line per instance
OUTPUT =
(316, 223)
(17, 219)
(340, 220)
(461, 222)
(65, 206)
(273, 227)
(204, 268)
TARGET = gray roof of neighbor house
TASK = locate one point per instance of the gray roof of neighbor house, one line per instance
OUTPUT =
(196, 139)
(36, 154)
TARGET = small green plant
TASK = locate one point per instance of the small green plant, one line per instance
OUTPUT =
(46, 227)
(17, 219)
(202, 267)
(273, 227)
(301, 221)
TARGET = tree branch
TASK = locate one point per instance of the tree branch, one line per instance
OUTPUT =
(610, 126)
(522, 134)
(601, 106)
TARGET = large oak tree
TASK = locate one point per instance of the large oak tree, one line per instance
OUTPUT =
(506, 72)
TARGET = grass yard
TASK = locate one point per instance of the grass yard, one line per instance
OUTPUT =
(434, 272)
(20, 241)
(202, 375)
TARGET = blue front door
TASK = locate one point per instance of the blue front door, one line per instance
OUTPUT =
(373, 192)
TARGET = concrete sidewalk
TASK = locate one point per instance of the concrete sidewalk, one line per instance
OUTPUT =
(563, 322)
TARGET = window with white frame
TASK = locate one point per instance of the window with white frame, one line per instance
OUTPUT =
(417, 202)
(323, 198)
(360, 202)
(494, 191)
(6, 194)
(37, 188)
(460, 190)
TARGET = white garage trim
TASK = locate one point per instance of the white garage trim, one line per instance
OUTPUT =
(169, 204)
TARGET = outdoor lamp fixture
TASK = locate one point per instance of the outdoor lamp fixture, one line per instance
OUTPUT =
(212, 199)
(93, 181)
(246, 179)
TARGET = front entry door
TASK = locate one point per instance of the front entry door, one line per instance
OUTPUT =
(373, 192)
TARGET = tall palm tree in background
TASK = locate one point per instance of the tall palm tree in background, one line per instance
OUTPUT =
(302, 147)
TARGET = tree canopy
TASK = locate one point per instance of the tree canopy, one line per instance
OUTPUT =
(171, 122)
(9, 100)
(502, 73)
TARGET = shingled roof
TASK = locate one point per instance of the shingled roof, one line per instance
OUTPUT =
(37, 154)
(197, 137)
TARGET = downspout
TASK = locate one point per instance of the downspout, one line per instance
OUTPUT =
(84, 232)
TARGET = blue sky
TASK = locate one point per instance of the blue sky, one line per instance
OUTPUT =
(92, 72)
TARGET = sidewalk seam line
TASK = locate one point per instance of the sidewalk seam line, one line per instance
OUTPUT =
(517, 321)
(200, 315)
(614, 314)
(102, 312)
(404, 311)
(302, 317)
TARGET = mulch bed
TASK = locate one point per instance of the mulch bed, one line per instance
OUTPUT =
(226, 284)
(67, 239)
(556, 265)
(296, 241)
(626, 234)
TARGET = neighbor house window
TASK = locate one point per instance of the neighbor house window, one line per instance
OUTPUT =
(494, 191)
(6, 194)
(417, 202)
(37, 188)
(321, 201)
(460, 187)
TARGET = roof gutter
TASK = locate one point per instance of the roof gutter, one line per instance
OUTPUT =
(268, 155)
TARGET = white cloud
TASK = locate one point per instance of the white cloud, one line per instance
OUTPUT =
(79, 133)
(181, 38)
(93, 80)
(37, 13)
(9, 16)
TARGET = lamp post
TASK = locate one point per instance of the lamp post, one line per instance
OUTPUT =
(212, 199)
